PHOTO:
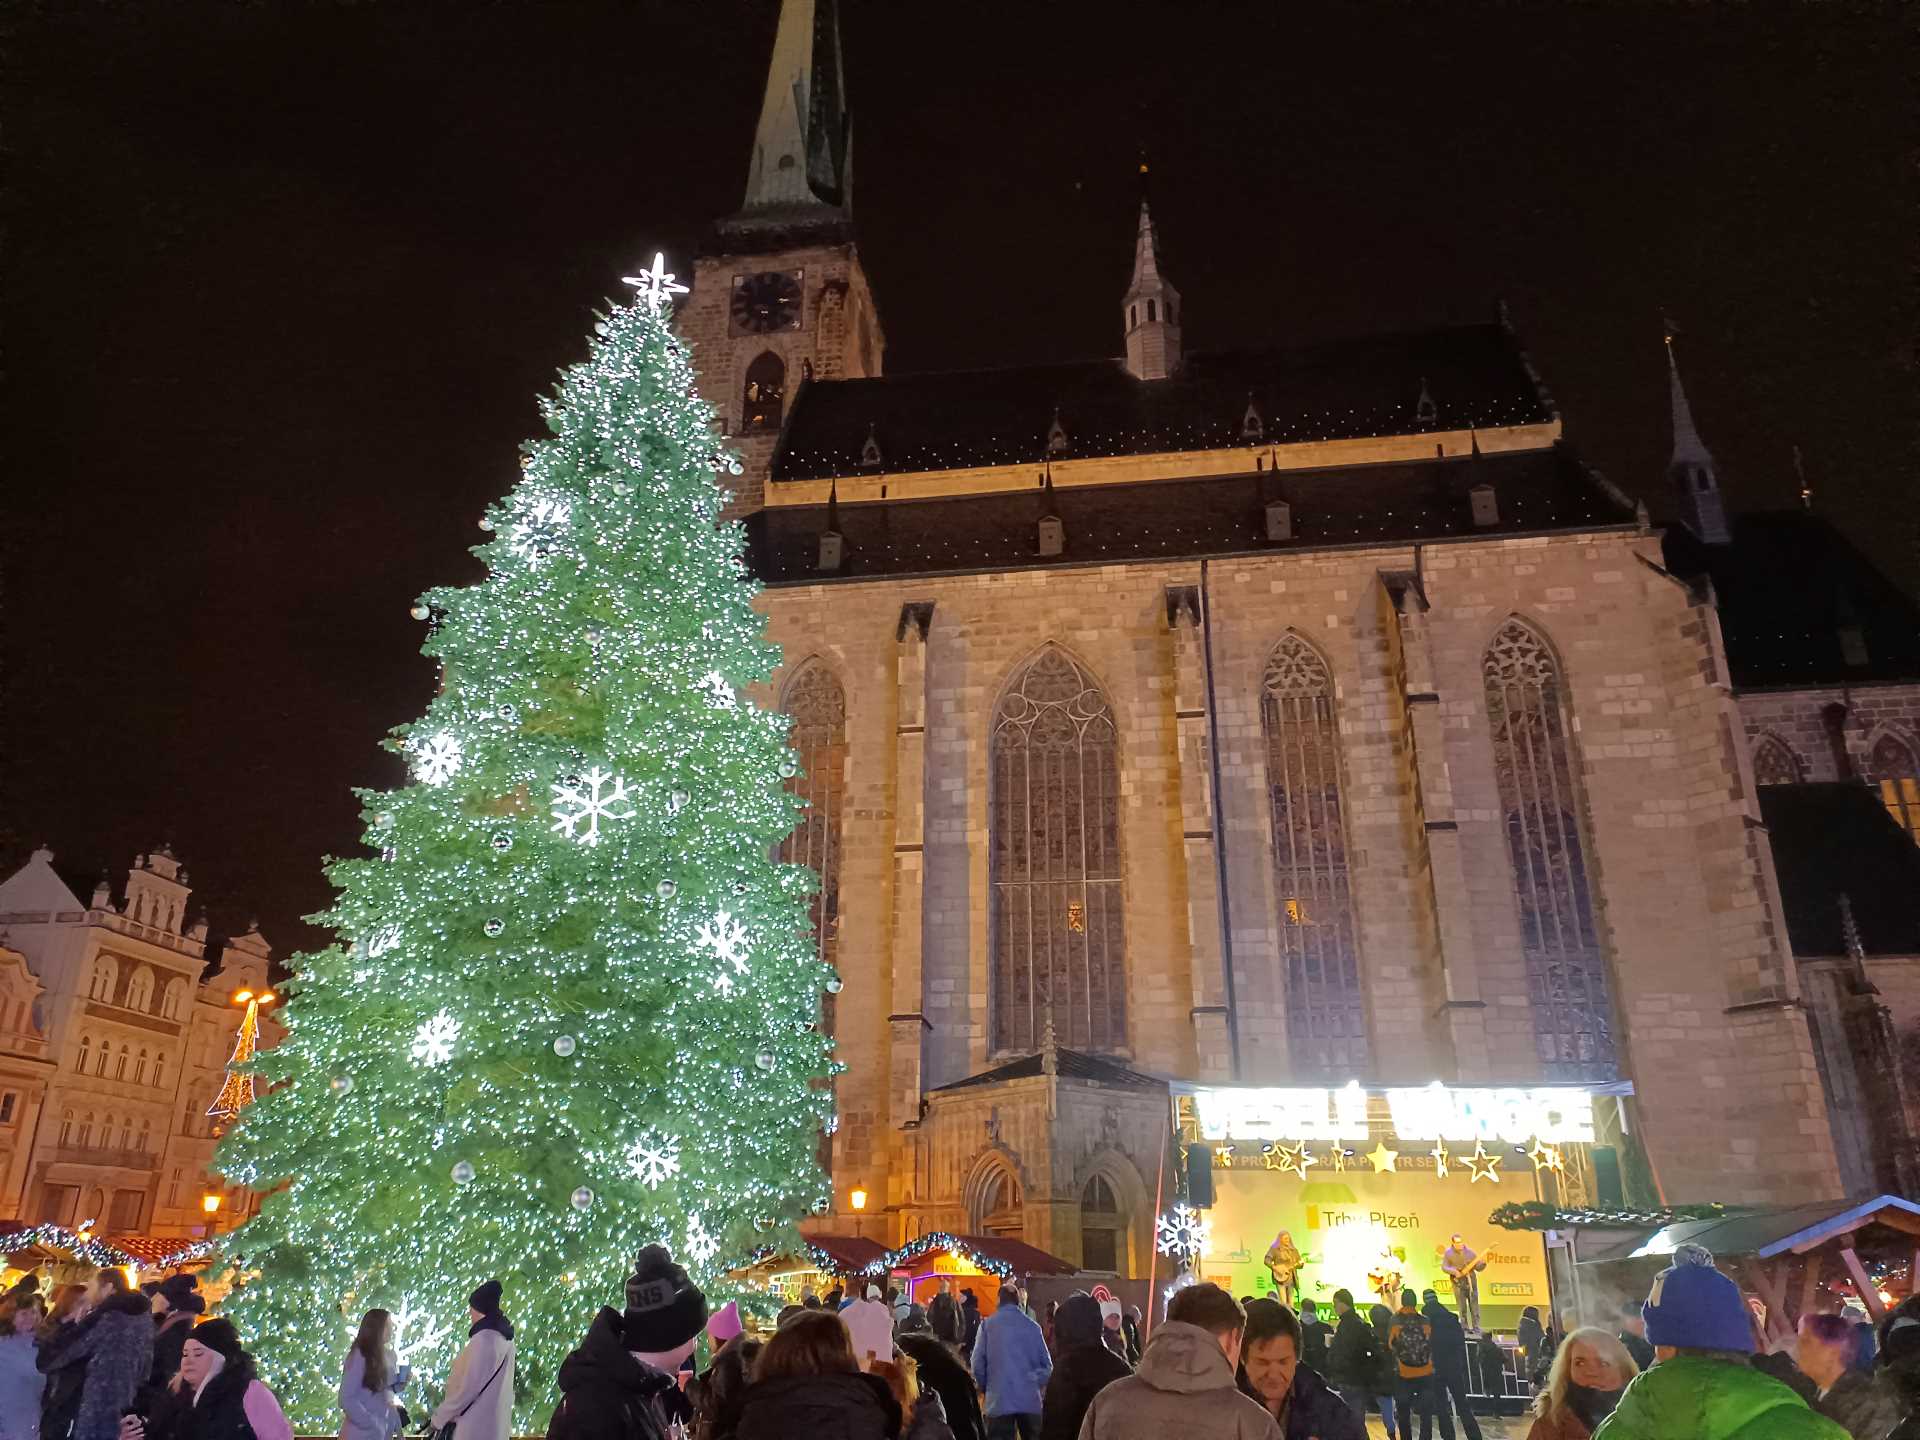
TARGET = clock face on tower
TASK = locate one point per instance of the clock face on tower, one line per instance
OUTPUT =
(766, 302)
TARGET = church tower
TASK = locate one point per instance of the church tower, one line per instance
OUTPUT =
(779, 295)
(1690, 470)
(1151, 307)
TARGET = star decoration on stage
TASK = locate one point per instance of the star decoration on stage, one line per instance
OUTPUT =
(1339, 1157)
(1440, 1159)
(1295, 1158)
(1482, 1165)
(656, 286)
(1384, 1160)
(1546, 1157)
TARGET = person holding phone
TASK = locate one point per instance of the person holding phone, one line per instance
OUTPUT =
(216, 1394)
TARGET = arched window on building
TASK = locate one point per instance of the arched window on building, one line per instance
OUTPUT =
(146, 1136)
(140, 990)
(1101, 1226)
(1058, 932)
(817, 703)
(1326, 1020)
(105, 977)
(140, 1067)
(66, 1127)
(763, 394)
(1540, 796)
(173, 998)
(106, 1054)
(159, 1069)
(126, 1133)
(120, 1063)
(86, 1131)
(1774, 763)
(996, 1208)
(1893, 770)
(86, 1052)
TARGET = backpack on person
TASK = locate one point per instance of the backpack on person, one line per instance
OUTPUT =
(1412, 1342)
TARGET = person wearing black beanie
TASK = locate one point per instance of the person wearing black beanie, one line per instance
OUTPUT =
(177, 1304)
(218, 1392)
(479, 1399)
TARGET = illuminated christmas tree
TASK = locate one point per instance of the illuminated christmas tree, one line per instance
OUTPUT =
(573, 1005)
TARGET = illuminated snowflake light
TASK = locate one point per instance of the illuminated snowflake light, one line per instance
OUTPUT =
(701, 1246)
(437, 758)
(541, 528)
(653, 1159)
(433, 1042)
(382, 940)
(404, 1319)
(718, 692)
(579, 803)
(1182, 1233)
(726, 937)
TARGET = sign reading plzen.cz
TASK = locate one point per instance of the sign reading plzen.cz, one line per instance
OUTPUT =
(1553, 1114)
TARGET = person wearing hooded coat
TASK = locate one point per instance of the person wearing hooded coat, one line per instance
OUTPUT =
(177, 1307)
(218, 1395)
(621, 1383)
(1083, 1365)
(807, 1383)
(115, 1344)
(479, 1398)
(945, 1373)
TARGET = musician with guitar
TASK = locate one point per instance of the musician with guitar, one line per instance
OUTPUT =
(1463, 1268)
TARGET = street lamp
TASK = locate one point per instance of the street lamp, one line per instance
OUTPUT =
(210, 1203)
(858, 1199)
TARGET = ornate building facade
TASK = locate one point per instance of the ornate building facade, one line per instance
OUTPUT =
(1184, 730)
(114, 1041)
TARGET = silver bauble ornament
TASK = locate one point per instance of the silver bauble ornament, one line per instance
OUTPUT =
(582, 1199)
(503, 841)
(563, 1045)
(341, 1084)
(835, 985)
(463, 1172)
(677, 801)
(765, 1060)
(668, 888)
(420, 612)
(789, 767)
(495, 926)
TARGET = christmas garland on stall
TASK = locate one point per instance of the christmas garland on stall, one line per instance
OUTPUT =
(83, 1245)
(1540, 1215)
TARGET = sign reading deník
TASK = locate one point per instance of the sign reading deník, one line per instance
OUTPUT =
(1554, 1114)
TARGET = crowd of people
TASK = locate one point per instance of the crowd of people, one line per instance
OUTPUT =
(107, 1362)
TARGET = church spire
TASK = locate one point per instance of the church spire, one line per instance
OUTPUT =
(1151, 306)
(1690, 469)
(800, 150)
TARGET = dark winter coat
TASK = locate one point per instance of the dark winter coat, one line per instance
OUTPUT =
(1386, 1378)
(66, 1378)
(1314, 1412)
(1449, 1340)
(219, 1414)
(1863, 1404)
(116, 1346)
(1353, 1359)
(606, 1394)
(943, 1314)
(929, 1419)
(819, 1407)
(1315, 1337)
(970, 1318)
(169, 1340)
(1083, 1366)
(945, 1373)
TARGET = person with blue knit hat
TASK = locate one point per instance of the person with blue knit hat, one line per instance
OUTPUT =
(1703, 1385)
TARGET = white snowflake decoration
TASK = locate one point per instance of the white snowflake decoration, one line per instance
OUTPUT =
(540, 528)
(701, 1246)
(437, 758)
(382, 940)
(653, 1159)
(718, 692)
(726, 937)
(404, 1319)
(579, 803)
(433, 1042)
(1182, 1233)
(657, 285)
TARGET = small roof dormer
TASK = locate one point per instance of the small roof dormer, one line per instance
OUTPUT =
(1150, 309)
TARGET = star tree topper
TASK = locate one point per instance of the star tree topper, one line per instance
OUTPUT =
(656, 285)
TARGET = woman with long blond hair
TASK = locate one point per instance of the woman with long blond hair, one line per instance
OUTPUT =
(1590, 1369)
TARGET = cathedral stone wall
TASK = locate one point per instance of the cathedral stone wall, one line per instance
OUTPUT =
(1730, 1105)
(1799, 720)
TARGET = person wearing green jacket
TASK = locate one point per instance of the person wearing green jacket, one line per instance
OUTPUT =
(1702, 1385)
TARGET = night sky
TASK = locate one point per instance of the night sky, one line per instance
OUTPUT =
(282, 282)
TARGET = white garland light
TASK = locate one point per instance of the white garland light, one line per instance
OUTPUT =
(433, 1042)
(718, 692)
(1182, 1233)
(654, 1159)
(602, 795)
(437, 758)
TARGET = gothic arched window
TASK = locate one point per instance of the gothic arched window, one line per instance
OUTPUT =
(1053, 861)
(106, 975)
(1326, 1023)
(762, 395)
(86, 1052)
(1895, 773)
(1774, 763)
(1100, 1226)
(1566, 971)
(140, 989)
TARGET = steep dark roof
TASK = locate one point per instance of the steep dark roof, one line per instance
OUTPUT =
(1788, 586)
(1834, 838)
(1536, 490)
(1074, 1065)
(1475, 374)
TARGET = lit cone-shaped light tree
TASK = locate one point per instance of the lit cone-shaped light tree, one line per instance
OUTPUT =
(573, 1005)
